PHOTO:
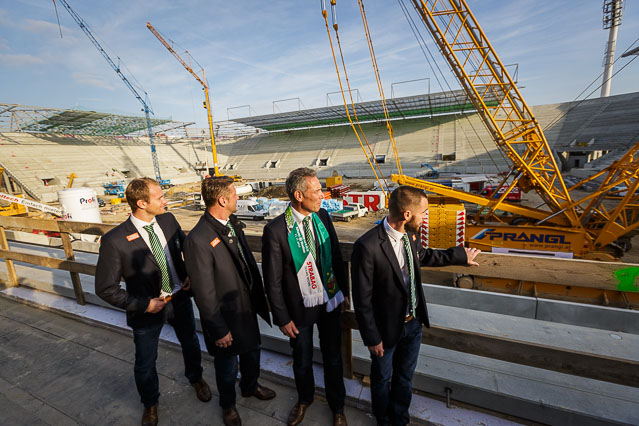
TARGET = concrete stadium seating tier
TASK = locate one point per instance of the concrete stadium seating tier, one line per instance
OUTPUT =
(451, 143)
(32, 158)
(608, 124)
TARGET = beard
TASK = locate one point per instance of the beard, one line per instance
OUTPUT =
(413, 225)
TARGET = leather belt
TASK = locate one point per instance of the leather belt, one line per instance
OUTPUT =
(408, 318)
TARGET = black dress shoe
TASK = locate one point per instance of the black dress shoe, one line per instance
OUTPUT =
(150, 416)
(231, 417)
(262, 393)
(202, 390)
(297, 414)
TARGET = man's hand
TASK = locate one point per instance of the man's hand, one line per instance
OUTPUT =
(155, 305)
(186, 285)
(225, 341)
(290, 330)
(471, 254)
(377, 350)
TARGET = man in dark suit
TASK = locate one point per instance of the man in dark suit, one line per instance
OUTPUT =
(229, 294)
(389, 300)
(306, 283)
(145, 251)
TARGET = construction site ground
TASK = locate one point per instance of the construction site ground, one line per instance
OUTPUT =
(189, 215)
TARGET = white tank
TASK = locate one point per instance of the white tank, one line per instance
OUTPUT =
(80, 205)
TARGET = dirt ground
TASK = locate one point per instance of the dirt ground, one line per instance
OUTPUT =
(189, 215)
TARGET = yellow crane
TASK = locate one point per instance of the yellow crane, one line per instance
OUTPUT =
(596, 225)
(202, 81)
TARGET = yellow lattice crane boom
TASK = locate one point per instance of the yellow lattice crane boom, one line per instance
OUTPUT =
(202, 81)
(509, 120)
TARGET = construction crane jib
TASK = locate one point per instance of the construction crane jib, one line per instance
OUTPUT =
(201, 80)
(510, 121)
(144, 101)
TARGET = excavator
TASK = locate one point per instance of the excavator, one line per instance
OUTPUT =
(596, 226)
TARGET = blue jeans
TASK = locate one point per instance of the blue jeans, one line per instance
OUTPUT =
(146, 341)
(330, 328)
(226, 373)
(392, 376)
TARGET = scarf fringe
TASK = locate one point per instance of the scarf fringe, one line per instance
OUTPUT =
(315, 299)
(334, 301)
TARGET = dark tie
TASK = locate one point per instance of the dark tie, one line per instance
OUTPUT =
(308, 236)
(411, 273)
(239, 247)
(160, 258)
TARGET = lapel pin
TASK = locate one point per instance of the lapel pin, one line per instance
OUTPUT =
(215, 242)
(132, 237)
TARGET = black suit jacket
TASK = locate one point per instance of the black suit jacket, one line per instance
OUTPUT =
(125, 255)
(379, 294)
(280, 277)
(220, 284)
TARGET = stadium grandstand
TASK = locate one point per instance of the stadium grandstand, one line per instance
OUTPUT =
(40, 147)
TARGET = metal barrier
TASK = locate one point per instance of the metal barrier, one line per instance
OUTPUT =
(554, 271)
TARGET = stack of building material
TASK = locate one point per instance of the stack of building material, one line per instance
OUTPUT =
(338, 191)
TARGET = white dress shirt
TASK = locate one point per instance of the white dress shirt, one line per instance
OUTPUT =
(299, 217)
(398, 247)
(139, 224)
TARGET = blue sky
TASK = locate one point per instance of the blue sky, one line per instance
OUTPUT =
(257, 52)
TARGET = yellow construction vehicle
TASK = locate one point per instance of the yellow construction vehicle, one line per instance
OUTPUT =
(597, 226)
(588, 227)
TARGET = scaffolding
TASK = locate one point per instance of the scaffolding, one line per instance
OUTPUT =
(29, 119)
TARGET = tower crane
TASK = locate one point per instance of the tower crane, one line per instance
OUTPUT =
(116, 67)
(204, 84)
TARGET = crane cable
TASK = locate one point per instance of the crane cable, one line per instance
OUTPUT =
(350, 94)
(348, 115)
(379, 86)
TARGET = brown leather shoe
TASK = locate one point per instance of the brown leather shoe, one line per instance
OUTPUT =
(150, 416)
(231, 417)
(262, 393)
(297, 414)
(339, 419)
(202, 390)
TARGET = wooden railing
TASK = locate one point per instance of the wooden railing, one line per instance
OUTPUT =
(554, 271)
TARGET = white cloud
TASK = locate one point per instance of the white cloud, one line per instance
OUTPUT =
(93, 80)
(20, 59)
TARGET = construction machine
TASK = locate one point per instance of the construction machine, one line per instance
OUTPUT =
(596, 226)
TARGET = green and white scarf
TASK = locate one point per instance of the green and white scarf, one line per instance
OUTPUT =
(315, 289)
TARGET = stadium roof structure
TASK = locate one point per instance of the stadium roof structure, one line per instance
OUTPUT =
(398, 108)
(21, 118)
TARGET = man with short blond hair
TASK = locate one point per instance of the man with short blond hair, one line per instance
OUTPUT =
(146, 250)
(389, 301)
(229, 294)
(306, 283)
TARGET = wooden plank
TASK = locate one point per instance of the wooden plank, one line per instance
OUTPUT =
(11, 269)
(85, 227)
(48, 262)
(593, 366)
(55, 225)
(75, 277)
(347, 351)
(572, 272)
(29, 223)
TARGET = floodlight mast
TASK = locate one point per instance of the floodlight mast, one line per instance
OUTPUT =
(144, 101)
(202, 81)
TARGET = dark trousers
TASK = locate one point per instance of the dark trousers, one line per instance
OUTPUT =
(392, 376)
(146, 341)
(330, 328)
(226, 368)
